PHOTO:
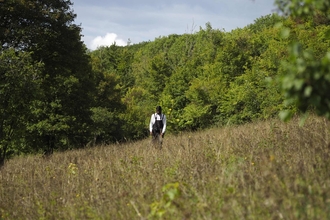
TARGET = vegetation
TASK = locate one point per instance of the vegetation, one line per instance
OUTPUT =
(225, 155)
(307, 70)
(261, 170)
(52, 86)
(57, 95)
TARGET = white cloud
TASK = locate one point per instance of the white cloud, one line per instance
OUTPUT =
(107, 40)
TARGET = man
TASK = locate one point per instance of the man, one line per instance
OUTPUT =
(157, 124)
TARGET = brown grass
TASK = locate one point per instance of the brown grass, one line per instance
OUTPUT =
(265, 170)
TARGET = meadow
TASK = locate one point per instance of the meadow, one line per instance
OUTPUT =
(262, 170)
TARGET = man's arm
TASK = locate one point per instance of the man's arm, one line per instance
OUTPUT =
(152, 121)
(164, 124)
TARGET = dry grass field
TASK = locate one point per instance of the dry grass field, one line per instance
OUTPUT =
(264, 170)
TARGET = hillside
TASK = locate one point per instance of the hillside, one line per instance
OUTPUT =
(57, 95)
(261, 170)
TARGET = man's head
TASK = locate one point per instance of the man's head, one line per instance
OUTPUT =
(158, 109)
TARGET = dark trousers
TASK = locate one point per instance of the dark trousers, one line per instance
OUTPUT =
(156, 133)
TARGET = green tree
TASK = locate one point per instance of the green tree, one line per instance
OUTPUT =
(207, 84)
(19, 85)
(107, 105)
(45, 28)
(307, 81)
(265, 22)
(236, 53)
(124, 69)
(267, 67)
(139, 108)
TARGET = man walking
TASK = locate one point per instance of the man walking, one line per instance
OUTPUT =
(157, 125)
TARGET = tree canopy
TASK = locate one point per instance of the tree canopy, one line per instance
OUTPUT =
(307, 76)
(51, 73)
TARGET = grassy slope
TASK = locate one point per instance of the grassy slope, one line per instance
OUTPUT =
(265, 170)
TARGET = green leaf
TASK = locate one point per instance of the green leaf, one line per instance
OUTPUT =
(285, 115)
(308, 91)
(285, 33)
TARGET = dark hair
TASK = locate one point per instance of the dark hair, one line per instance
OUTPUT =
(158, 108)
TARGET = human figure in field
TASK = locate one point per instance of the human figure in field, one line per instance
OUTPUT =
(157, 125)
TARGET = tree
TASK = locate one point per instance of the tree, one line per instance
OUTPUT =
(19, 85)
(307, 81)
(61, 114)
(106, 124)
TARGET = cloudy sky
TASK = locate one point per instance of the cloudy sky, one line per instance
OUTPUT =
(105, 22)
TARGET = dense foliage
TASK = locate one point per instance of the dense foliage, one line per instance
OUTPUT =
(57, 95)
(46, 79)
(307, 77)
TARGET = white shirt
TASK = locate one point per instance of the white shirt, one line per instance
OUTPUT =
(158, 117)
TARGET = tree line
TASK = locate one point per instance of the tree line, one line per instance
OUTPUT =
(58, 95)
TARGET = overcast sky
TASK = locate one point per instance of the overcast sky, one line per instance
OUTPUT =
(105, 22)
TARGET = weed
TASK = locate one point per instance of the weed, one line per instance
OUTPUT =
(261, 170)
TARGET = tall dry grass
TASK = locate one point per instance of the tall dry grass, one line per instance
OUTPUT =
(265, 170)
